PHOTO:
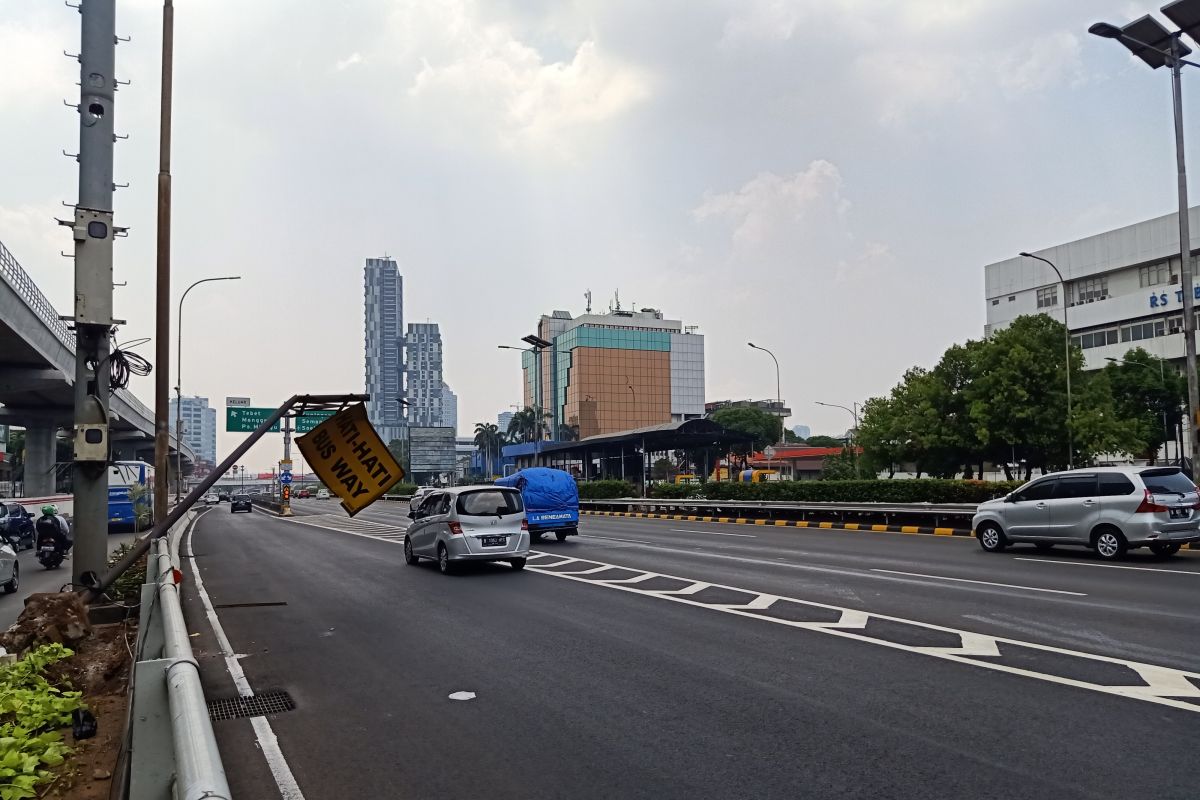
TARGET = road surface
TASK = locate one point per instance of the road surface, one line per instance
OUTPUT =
(662, 659)
(36, 578)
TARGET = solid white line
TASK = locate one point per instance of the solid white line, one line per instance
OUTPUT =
(1106, 566)
(715, 533)
(985, 583)
(267, 741)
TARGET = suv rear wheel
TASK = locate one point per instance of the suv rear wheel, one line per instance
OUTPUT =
(444, 562)
(1109, 543)
(991, 538)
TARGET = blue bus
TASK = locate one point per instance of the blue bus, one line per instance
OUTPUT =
(551, 501)
(130, 494)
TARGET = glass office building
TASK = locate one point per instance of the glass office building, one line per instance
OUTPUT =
(613, 372)
(383, 345)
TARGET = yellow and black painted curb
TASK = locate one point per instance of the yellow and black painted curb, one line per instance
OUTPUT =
(790, 523)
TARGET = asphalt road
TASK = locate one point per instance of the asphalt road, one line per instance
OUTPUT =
(786, 663)
(36, 578)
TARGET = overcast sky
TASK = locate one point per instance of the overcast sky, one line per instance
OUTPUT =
(826, 179)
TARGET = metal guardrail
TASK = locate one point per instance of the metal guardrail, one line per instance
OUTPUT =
(174, 750)
(958, 513)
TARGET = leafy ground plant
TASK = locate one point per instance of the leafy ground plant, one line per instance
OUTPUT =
(32, 712)
(128, 587)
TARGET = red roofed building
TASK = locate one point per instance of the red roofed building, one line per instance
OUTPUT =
(796, 462)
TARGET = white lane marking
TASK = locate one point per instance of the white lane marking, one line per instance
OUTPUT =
(985, 583)
(714, 533)
(1105, 566)
(612, 538)
(462, 695)
(1164, 683)
(300, 521)
(267, 741)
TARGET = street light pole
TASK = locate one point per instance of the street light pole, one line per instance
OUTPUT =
(1066, 356)
(1174, 58)
(778, 391)
(854, 413)
(179, 384)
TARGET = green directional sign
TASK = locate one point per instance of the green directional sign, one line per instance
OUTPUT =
(310, 420)
(246, 419)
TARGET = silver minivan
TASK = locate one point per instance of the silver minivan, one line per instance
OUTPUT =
(1109, 509)
(468, 523)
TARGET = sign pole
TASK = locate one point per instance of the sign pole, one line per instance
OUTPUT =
(285, 471)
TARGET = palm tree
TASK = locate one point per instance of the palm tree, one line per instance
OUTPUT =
(488, 440)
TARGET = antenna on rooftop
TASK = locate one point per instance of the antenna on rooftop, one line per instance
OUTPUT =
(588, 295)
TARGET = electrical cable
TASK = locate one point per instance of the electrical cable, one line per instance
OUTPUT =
(123, 363)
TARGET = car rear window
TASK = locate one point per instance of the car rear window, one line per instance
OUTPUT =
(1114, 484)
(241, 497)
(1167, 481)
(489, 503)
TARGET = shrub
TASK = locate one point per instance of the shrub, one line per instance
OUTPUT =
(862, 491)
(605, 490)
(403, 489)
(675, 491)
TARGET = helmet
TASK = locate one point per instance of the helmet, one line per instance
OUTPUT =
(50, 510)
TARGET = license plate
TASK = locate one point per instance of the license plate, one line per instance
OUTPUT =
(493, 541)
(1180, 513)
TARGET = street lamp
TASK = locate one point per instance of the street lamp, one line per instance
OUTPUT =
(1066, 355)
(854, 413)
(778, 392)
(1162, 377)
(536, 345)
(179, 384)
(1150, 41)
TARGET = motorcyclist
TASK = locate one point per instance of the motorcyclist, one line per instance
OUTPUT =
(53, 524)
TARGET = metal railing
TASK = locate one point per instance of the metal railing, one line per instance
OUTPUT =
(959, 514)
(173, 750)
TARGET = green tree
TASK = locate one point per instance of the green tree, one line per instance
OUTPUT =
(883, 435)
(842, 466)
(663, 470)
(1018, 399)
(1097, 422)
(526, 427)
(764, 428)
(1148, 393)
(489, 441)
(823, 441)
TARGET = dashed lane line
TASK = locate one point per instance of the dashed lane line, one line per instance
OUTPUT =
(985, 583)
(1160, 685)
(715, 533)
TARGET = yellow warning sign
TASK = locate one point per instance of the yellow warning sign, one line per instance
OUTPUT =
(349, 457)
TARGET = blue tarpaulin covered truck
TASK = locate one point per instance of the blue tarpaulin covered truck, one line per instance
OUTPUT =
(551, 501)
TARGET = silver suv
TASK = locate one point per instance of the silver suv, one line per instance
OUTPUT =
(469, 523)
(1110, 509)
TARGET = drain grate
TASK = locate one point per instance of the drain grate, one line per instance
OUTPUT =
(260, 704)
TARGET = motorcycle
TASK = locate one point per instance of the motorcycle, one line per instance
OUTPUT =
(49, 555)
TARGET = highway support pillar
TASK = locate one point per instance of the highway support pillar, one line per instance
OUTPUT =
(39, 461)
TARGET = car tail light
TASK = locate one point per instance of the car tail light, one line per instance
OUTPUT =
(524, 525)
(1148, 506)
(455, 528)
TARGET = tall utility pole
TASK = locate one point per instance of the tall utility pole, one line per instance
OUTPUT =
(1185, 257)
(93, 234)
(162, 324)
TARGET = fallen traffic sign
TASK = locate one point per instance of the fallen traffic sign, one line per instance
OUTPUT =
(348, 456)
